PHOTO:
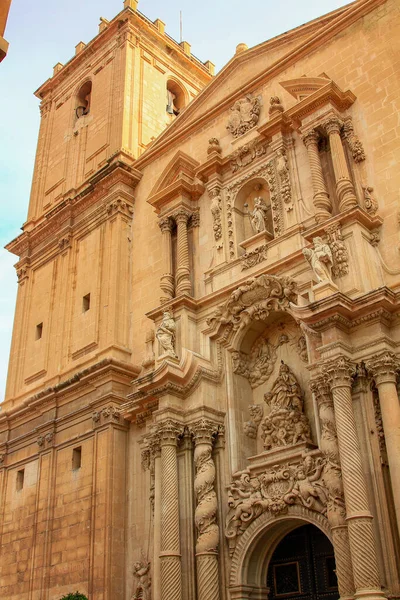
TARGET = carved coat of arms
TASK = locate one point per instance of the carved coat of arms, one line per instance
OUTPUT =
(244, 115)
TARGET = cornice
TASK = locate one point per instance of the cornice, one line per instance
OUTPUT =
(183, 127)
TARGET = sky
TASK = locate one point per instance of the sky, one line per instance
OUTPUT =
(44, 32)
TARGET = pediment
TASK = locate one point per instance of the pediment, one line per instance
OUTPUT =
(303, 87)
(177, 179)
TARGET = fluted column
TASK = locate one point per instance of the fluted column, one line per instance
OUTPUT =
(183, 285)
(322, 203)
(167, 283)
(170, 555)
(206, 511)
(332, 479)
(383, 368)
(359, 518)
(344, 187)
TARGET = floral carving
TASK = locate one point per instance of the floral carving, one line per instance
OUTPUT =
(273, 491)
(216, 211)
(371, 205)
(244, 115)
(245, 155)
(282, 168)
(254, 300)
(286, 423)
(340, 254)
(254, 257)
(141, 570)
(355, 145)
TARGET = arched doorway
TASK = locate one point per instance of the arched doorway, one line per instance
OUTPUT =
(302, 567)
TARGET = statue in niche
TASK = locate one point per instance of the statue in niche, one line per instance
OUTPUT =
(259, 215)
(166, 334)
(172, 109)
(286, 424)
(141, 572)
(320, 259)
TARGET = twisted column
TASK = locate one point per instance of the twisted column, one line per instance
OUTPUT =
(167, 279)
(344, 186)
(332, 479)
(359, 518)
(206, 511)
(383, 369)
(170, 555)
(322, 203)
(183, 285)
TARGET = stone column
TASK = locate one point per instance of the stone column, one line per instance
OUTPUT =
(332, 479)
(206, 511)
(383, 368)
(170, 555)
(167, 279)
(359, 518)
(322, 203)
(183, 285)
(344, 187)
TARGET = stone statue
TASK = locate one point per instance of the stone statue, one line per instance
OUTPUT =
(286, 424)
(166, 334)
(171, 108)
(259, 215)
(320, 259)
(141, 572)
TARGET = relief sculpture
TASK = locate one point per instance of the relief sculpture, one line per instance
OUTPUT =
(244, 115)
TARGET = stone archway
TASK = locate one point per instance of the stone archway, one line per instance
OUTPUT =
(253, 552)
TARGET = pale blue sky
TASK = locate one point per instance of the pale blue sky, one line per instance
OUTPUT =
(44, 32)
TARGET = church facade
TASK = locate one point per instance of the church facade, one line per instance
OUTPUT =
(202, 398)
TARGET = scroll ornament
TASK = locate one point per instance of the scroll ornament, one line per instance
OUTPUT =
(255, 300)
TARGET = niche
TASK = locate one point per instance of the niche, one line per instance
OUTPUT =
(83, 100)
(253, 213)
(176, 98)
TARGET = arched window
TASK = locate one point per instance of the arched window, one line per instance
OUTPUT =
(83, 99)
(176, 97)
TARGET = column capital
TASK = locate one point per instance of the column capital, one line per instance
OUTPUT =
(182, 215)
(339, 371)
(321, 389)
(310, 137)
(383, 367)
(333, 124)
(204, 431)
(168, 432)
(165, 224)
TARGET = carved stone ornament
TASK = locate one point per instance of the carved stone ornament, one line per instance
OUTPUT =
(286, 423)
(370, 204)
(214, 146)
(258, 217)
(142, 584)
(273, 491)
(120, 206)
(165, 334)
(340, 254)
(216, 211)
(254, 257)
(256, 415)
(355, 145)
(255, 300)
(244, 115)
(282, 168)
(45, 440)
(259, 364)
(275, 106)
(320, 259)
(245, 155)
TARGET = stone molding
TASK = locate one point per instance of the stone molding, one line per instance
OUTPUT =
(383, 367)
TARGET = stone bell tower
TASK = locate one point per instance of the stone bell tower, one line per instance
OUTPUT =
(72, 342)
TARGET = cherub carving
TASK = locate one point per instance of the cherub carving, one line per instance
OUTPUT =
(320, 259)
(141, 572)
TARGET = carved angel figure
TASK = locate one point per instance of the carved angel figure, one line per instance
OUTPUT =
(307, 488)
(166, 334)
(259, 215)
(141, 572)
(320, 259)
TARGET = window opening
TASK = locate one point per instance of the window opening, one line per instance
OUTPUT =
(76, 458)
(39, 331)
(86, 303)
(20, 480)
(175, 98)
(83, 100)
